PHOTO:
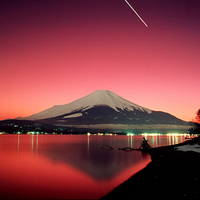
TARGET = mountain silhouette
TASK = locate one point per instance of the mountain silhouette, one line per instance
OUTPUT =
(103, 107)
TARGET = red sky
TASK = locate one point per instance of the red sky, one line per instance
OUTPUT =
(53, 52)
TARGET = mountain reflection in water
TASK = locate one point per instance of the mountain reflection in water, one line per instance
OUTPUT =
(67, 166)
(100, 163)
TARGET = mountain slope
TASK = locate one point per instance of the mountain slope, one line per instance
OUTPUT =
(103, 107)
(97, 98)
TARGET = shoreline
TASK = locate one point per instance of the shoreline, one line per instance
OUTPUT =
(171, 174)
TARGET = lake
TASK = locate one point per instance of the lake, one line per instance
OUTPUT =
(70, 166)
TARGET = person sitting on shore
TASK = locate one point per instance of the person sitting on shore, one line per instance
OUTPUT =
(144, 144)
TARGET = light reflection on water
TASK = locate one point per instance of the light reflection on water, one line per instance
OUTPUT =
(70, 166)
(157, 140)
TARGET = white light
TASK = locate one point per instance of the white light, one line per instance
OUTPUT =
(151, 134)
(136, 13)
(130, 134)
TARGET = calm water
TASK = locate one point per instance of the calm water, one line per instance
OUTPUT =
(70, 166)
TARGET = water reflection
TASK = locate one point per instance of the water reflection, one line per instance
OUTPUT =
(88, 144)
(157, 140)
(49, 166)
(95, 160)
(18, 141)
(130, 141)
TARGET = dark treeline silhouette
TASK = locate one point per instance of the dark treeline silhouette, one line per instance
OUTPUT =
(196, 124)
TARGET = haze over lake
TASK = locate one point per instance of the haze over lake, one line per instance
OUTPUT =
(70, 166)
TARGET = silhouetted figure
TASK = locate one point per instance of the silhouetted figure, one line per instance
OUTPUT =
(144, 144)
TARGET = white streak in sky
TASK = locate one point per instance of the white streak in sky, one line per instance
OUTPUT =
(136, 13)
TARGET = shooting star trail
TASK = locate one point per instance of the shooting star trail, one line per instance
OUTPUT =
(136, 13)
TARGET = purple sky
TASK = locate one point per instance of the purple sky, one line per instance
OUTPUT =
(56, 51)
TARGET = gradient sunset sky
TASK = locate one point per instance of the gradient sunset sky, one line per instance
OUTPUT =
(53, 52)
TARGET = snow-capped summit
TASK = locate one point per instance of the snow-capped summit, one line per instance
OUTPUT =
(108, 98)
(97, 98)
(105, 109)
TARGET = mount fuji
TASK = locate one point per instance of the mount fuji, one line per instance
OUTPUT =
(105, 109)
(97, 99)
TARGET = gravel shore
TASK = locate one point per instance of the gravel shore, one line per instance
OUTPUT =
(171, 174)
